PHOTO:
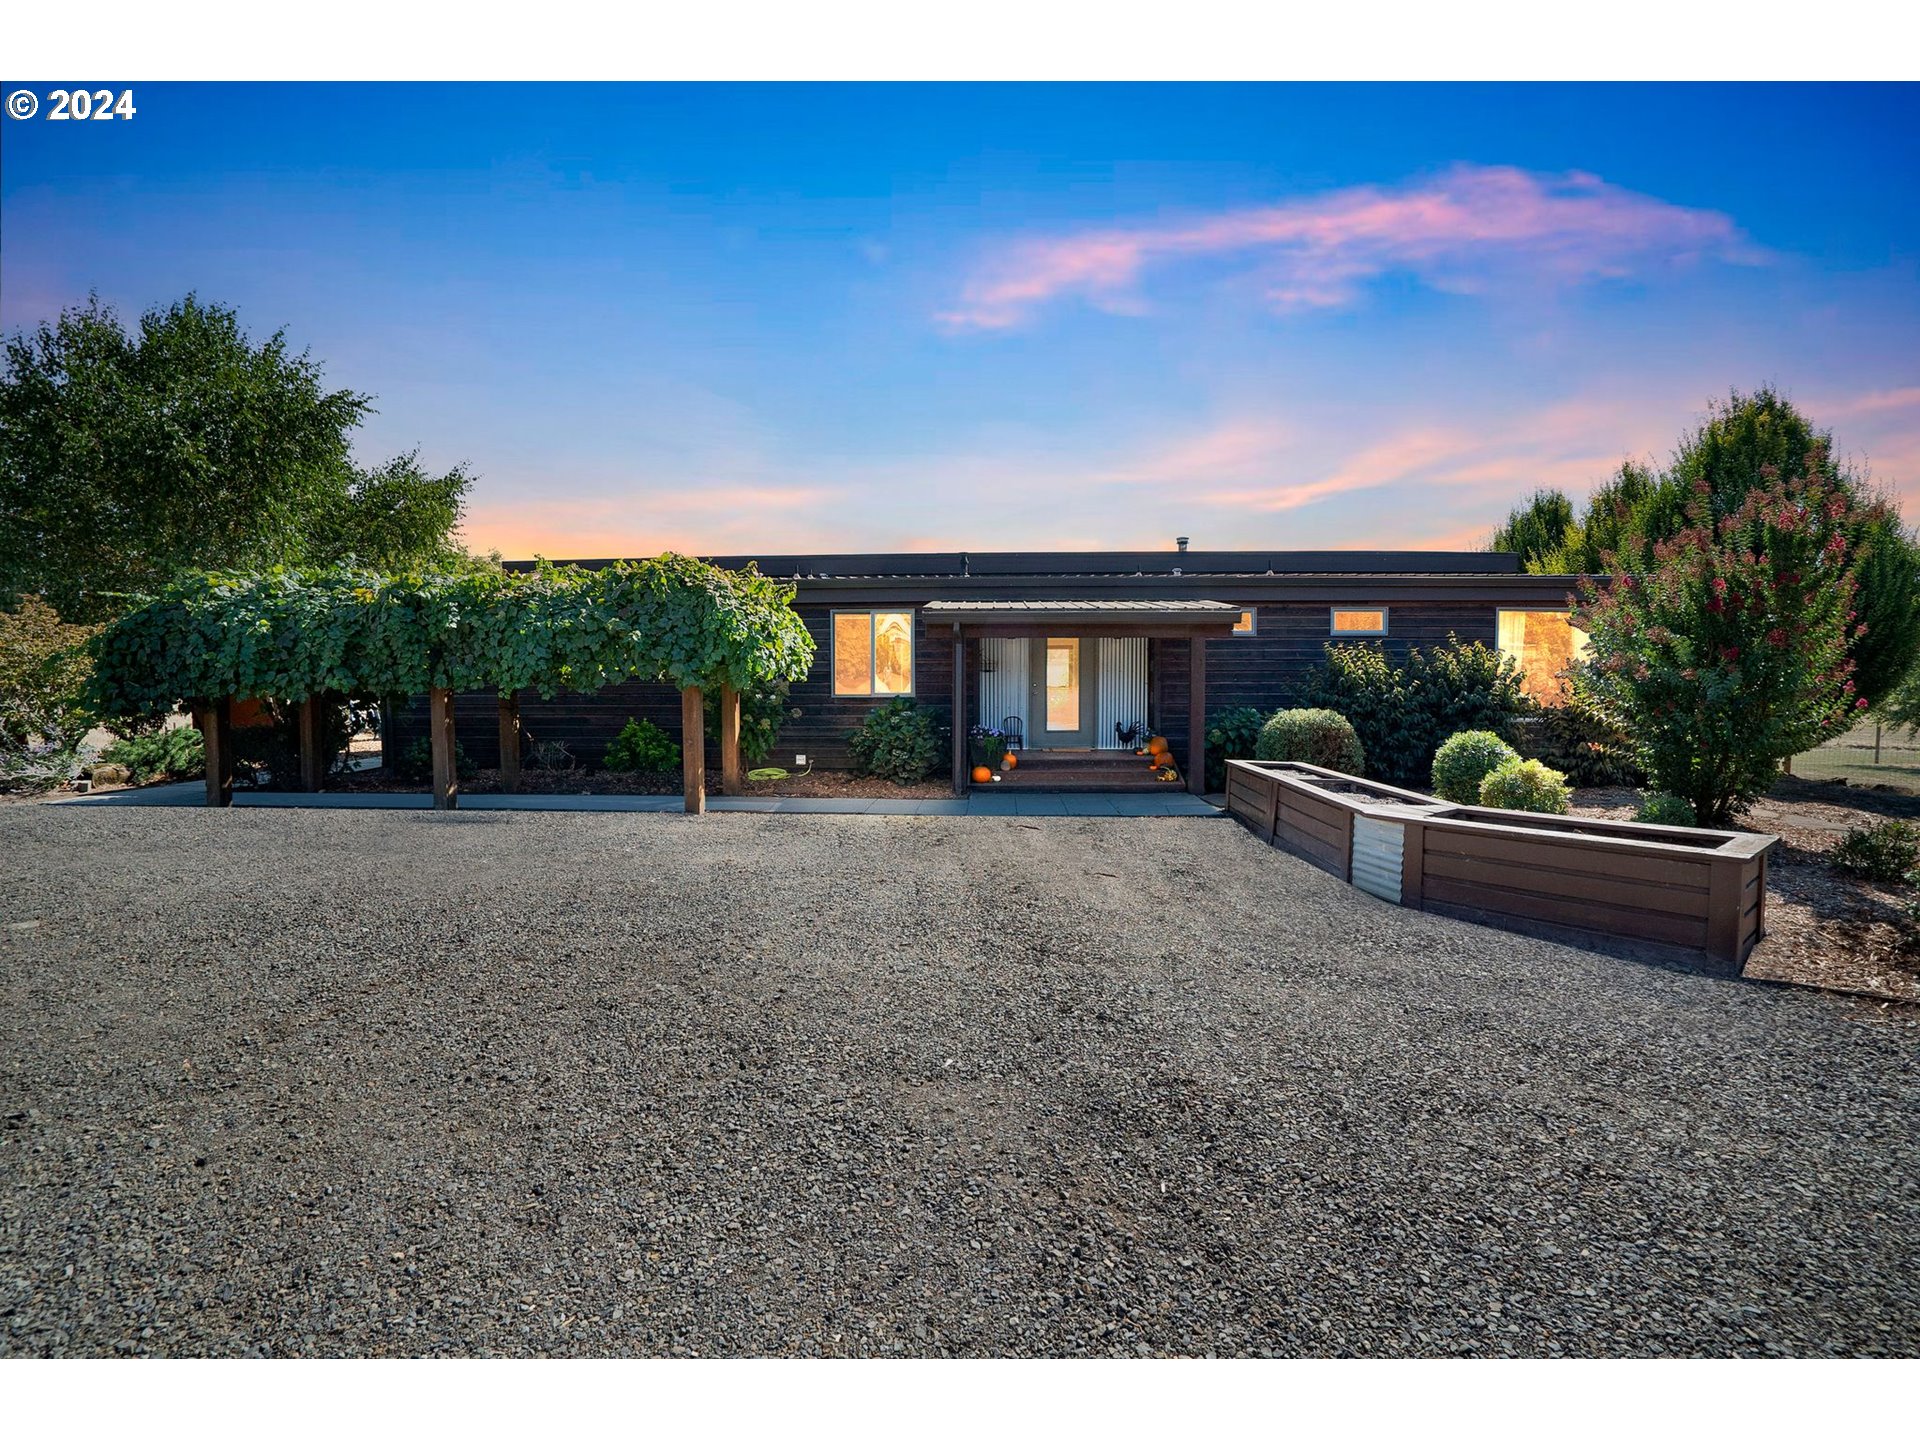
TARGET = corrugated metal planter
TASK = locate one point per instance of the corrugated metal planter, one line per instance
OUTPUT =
(1698, 892)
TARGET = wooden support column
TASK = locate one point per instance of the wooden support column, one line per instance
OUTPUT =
(313, 765)
(510, 743)
(959, 726)
(1197, 716)
(693, 748)
(732, 782)
(446, 777)
(212, 716)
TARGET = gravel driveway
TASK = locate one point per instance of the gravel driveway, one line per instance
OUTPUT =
(284, 1082)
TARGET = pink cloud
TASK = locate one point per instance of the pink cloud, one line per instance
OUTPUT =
(1453, 232)
(721, 518)
(1875, 402)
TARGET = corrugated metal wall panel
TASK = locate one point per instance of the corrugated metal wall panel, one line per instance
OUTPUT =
(1003, 689)
(1377, 847)
(1122, 697)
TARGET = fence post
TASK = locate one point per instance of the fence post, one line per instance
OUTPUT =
(730, 780)
(693, 749)
(1876, 742)
(446, 777)
(216, 731)
(312, 764)
(510, 743)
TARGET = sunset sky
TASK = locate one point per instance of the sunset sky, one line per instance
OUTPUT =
(740, 318)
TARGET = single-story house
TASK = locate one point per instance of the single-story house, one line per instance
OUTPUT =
(1070, 648)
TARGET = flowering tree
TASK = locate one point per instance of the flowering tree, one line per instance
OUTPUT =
(1731, 653)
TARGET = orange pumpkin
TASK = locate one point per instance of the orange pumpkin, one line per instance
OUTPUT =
(982, 775)
(1012, 759)
(1157, 745)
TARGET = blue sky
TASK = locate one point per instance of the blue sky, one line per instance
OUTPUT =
(729, 318)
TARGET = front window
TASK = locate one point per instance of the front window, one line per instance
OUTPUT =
(1246, 623)
(1543, 643)
(1360, 622)
(873, 652)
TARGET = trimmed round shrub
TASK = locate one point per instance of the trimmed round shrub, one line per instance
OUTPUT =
(1465, 760)
(1659, 808)
(1313, 737)
(1526, 785)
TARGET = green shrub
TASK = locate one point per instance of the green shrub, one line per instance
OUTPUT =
(1659, 808)
(899, 741)
(643, 746)
(37, 768)
(416, 762)
(1402, 712)
(176, 754)
(1883, 852)
(763, 710)
(1313, 737)
(1231, 735)
(1576, 740)
(1465, 760)
(43, 679)
(1526, 785)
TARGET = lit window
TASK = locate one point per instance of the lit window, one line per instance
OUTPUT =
(1360, 622)
(1542, 643)
(1245, 624)
(873, 652)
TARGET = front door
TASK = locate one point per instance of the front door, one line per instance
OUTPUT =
(1061, 698)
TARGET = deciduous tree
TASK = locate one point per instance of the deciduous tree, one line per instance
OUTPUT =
(1728, 652)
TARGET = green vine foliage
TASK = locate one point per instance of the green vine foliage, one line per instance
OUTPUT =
(763, 710)
(291, 634)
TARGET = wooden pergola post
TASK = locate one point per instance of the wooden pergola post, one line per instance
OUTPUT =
(510, 743)
(446, 778)
(959, 726)
(214, 719)
(1197, 716)
(313, 765)
(693, 749)
(731, 780)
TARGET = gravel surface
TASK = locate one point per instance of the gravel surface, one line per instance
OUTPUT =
(373, 1082)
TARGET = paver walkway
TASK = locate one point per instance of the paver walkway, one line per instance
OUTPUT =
(1177, 803)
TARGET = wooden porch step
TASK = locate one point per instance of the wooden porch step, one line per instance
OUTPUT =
(1079, 770)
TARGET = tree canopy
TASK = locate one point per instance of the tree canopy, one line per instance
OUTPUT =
(1727, 651)
(290, 634)
(129, 457)
(1747, 443)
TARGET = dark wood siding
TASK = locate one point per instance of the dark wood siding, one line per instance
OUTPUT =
(1265, 669)
(588, 723)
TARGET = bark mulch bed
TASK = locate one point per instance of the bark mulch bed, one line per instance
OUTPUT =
(1824, 928)
(829, 784)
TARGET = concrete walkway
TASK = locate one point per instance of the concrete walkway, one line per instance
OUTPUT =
(192, 792)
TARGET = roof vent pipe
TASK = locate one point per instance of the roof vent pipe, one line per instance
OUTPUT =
(1181, 541)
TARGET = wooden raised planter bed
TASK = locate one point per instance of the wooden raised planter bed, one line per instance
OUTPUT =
(1701, 893)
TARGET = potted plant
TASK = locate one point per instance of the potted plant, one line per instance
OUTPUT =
(989, 746)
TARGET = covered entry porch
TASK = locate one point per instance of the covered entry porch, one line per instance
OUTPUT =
(1073, 674)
